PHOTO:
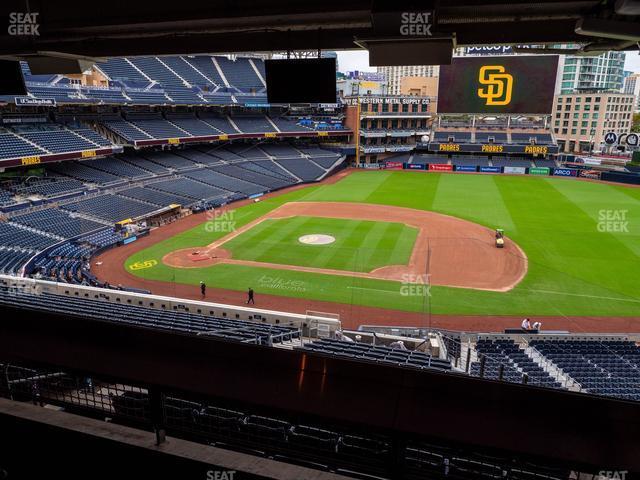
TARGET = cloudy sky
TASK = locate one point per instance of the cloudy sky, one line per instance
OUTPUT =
(359, 60)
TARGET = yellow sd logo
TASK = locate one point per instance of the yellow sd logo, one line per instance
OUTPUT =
(143, 265)
(499, 85)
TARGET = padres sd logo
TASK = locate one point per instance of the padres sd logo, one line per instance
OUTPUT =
(499, 85)
(143, 265)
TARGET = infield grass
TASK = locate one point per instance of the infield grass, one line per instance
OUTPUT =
(360, 245)
(578, 263)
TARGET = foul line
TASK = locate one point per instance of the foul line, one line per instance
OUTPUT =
(633, 300)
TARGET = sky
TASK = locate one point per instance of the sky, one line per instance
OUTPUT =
(359, 60)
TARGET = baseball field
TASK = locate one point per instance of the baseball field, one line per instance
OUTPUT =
(414, 242)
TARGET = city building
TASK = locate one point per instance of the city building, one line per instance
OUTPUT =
(632, 87)
(348, 87)
(386, 126)
(394, 75)
(419, 86)
(580, 74)
(581, 120)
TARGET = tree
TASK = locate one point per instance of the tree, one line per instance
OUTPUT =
(635, 127)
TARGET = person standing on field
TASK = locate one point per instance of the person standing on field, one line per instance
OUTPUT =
(250, 296)
(203, 289)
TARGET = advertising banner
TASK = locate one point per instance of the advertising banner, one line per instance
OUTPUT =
(466, 168)
(592, 174)
(565, 172)
(515, 170)
(539, 171)
(440, 167)
(415, 166)
(493, 148)
(517, 84)
(393, 165)
(491, 169)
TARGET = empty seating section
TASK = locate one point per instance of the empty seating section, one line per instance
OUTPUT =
(188, 188)
(126, 130)
(85, 173)
(152, 96)
(315, 151)
(609, 368)
(245, 175)
(158, 71)
(92, 136)
(57, 222)
(301, 168)
(251, 152)
(194, 126)
(58, 140)
(118, 167)
(6, 198)
(168, 159)
(270, 168)
(376, 353)
(50, 187)
(12, 146)
(224, 183)
(162, 199)
(159, 128)
(14, 236)
(120, 69)
(287, 124)
(222, 153)
(253, 124)
(186, 71)
(326, 161)
(93, 193)
(174, 321)
(104, 95)
(240, 73)
(111, 208)
(204, 64)
(515, 363)
(221, 124)
(12, 260)
(141, 162)
(280, 150)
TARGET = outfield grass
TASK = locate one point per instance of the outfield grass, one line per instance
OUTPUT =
(575, 268)
(360, 245)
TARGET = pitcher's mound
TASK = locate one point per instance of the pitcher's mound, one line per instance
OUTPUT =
(316, 239)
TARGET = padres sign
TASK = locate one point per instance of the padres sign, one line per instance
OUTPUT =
(498, 85)
(143, 265)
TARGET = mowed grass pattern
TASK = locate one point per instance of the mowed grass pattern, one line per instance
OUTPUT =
(360, 245)
(575, 268)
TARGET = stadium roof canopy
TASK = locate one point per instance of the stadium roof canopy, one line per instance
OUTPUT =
(144, 27)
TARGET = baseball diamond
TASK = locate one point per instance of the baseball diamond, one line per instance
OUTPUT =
(564, 267)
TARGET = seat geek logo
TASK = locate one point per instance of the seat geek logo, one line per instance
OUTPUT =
(24, 24)
(498, 85)
(416, 24)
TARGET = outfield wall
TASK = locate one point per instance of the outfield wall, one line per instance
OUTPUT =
(570, 172)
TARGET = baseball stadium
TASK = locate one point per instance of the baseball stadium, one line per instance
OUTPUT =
(248, 264)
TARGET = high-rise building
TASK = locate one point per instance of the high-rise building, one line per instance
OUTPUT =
(395, 74)
(632, 87)
(581, 120)
(602, 73)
